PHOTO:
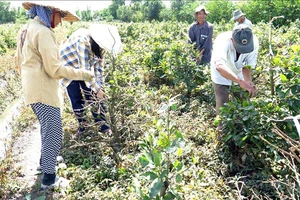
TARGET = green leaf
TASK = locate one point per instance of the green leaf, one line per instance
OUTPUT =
(244, 138)
(149, 156)
(245, 118)
(174, 107)
(179, 152)
(228, 137)
(28, 197)
(178, 178)
(179, 166)
(171, 149)
(169, 196)
(178, 134)
(164, 140)
(283, 78)
(157, 158)
(163, 174)
(143, 161)
(43, 197)
(155, 189)
(152, 175)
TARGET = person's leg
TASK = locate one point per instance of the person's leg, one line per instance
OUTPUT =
(222, 97)
(101, 119)
(98, 111)
(77, 102)
(51, 130)
(41, 131)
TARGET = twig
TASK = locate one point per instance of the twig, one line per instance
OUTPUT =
(281, 150)
(294, 118)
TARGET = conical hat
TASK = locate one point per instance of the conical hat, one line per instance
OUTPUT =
(107, 37)
(67, 15)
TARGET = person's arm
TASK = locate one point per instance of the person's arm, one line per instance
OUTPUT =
(50, 57)
(18, 54)
(99, 77)
(247, 75)
(84, 56)
(227, 73)
(251, 61)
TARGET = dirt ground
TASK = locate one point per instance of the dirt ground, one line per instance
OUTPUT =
(26, 155)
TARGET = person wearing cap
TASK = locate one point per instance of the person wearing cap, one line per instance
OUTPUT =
(234, 56)
(239, 17)
(37, 61)
(85, 49)
(201, 33)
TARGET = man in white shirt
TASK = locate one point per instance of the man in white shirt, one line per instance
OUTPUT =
(239, 17)
(234, 55)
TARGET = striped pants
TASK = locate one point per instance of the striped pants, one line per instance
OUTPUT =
(51, 135)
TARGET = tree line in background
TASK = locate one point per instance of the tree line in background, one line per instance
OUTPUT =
(179, 10)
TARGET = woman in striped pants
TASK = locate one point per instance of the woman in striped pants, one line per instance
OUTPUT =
(37, 61)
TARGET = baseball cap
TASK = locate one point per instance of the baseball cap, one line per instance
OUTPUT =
(243, 39)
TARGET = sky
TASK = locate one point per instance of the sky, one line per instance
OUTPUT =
(70, 5)
(75, 5)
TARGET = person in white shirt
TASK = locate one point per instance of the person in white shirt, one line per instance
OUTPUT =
(234, 56)
(239, 17)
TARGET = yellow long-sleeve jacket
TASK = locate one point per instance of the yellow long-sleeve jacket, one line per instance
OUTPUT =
(37, 61)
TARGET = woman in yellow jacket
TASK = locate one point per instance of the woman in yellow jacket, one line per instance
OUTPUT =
(37, 61)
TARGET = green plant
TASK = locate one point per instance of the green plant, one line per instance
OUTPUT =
(160, 158)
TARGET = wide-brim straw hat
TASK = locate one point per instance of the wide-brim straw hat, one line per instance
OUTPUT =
(67, 15)
(199, 8)
(107, 37)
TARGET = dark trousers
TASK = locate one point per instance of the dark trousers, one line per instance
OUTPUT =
(222, 96)
(79, 94)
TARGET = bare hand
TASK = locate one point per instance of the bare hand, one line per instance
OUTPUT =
(249, 86)
(199, 57)
(254, 89)
(100, 94)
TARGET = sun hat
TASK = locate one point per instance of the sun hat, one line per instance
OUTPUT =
(243, 39)
(66, 15)
(107, 37)
(199, 8)
(237, 14)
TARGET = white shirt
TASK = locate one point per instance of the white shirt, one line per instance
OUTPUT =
(225, 53)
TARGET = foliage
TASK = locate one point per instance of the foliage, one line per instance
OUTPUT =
(9, 79)
(152, 9)
(102, 15)
(246, 122)
(85, 15)
(219, 10)
(7, 15)
(176, 151)
(265, 10)
(160, 158)
(114, 7)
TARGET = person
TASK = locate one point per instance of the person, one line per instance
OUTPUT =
(234, 56)
(239, 17)
(37, 62)
(85, 49)
(201, 32)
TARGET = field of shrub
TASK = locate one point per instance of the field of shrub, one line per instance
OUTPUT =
(161, 110)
